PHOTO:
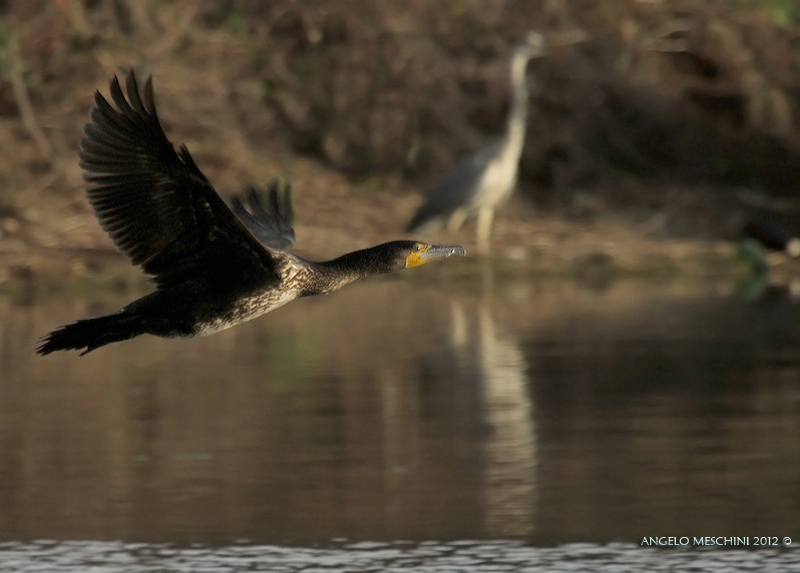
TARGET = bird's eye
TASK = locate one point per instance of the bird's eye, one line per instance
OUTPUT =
(417, 247)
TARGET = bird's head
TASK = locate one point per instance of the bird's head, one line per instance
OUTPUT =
(417, 254)
(531, 45)
(397, 255)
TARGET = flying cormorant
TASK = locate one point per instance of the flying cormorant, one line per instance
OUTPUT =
(210, 271)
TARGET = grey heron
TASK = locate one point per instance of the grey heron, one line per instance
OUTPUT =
(481, 182)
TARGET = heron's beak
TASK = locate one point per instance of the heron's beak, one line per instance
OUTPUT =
(431, 253)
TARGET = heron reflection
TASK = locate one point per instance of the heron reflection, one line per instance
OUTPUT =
(510, 445)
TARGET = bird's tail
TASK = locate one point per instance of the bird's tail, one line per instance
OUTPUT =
(92, 333)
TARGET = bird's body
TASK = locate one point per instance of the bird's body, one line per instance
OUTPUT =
(212, 270)
(765, 234)
(772, 235)
(482, 182)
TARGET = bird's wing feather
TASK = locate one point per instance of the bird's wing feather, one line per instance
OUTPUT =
(456, 189)
(267, 214)
(154, 202)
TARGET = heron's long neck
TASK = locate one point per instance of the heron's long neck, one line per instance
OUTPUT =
(518, 114)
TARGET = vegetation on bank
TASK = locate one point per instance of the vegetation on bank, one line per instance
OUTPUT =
(676, 117)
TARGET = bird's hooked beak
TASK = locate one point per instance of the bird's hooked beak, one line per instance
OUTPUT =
(425, 253)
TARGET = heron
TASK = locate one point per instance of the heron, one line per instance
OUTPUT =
(212, 270)
(480, 183)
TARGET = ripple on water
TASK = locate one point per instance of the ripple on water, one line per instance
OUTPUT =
(433, 557)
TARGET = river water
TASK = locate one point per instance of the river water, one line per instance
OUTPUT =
(415, 422)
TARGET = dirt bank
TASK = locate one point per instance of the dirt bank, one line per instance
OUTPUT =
(649, 144)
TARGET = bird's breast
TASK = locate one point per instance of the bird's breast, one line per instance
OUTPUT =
(249, 306)
(244, 309)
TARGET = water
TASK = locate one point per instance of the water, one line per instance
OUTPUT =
(434, 557)
(450, 426)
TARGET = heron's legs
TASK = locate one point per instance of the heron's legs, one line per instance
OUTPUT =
(457, 219)
(484, 228)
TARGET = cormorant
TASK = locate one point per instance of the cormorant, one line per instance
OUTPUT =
(210, 271)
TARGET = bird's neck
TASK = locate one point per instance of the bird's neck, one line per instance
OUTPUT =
(518, 114)
(328, 276)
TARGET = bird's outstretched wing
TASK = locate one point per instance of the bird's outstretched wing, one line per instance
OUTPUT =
(268, 214)
(154, 202)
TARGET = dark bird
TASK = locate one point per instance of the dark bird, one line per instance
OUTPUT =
(772, 235)
(210, 271)
(483, 181)
(762, 235)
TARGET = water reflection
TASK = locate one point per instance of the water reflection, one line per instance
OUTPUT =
(509, 444)
(510, 447)
(388, 411)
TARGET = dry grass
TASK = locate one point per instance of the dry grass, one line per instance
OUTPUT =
(363, 104)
